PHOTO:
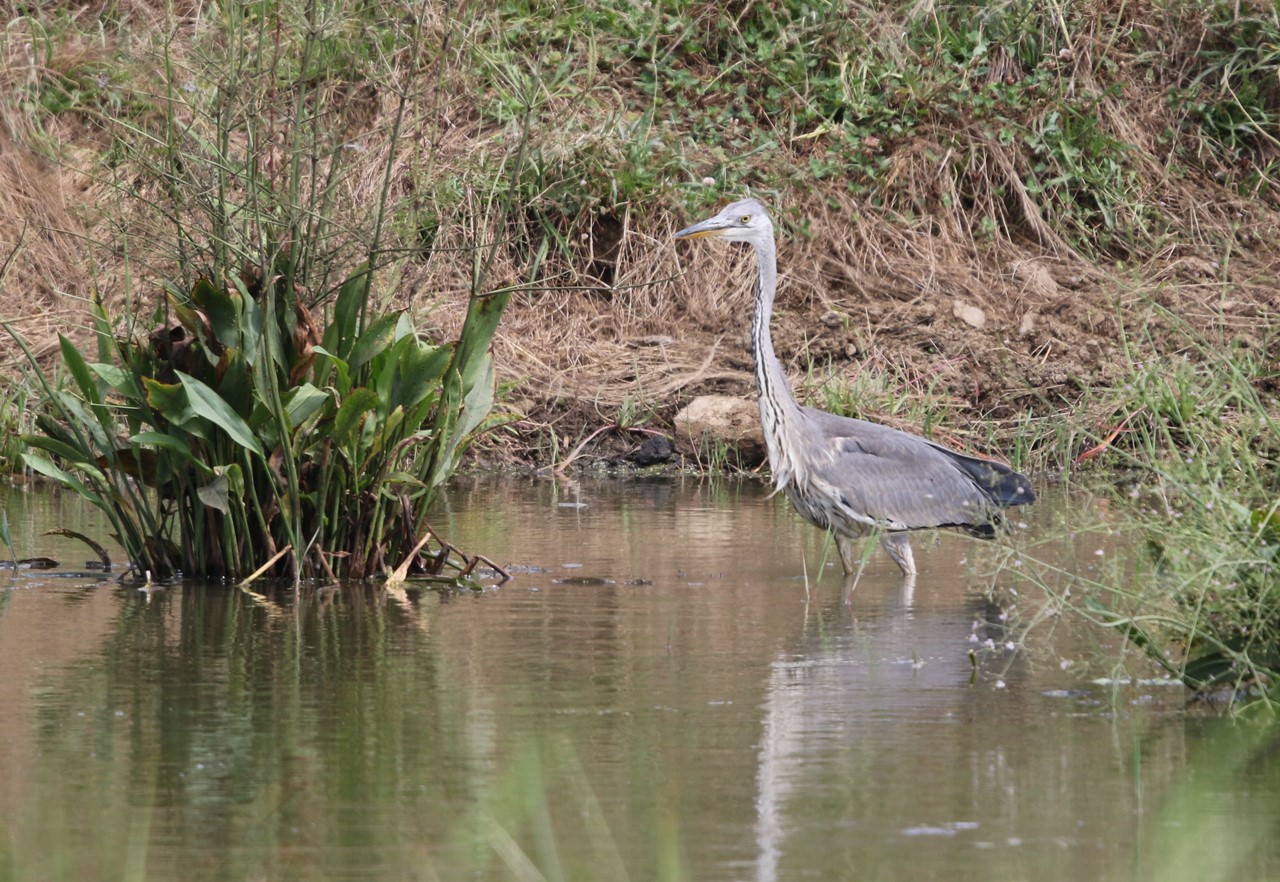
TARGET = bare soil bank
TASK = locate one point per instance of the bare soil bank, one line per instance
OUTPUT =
(985, 346)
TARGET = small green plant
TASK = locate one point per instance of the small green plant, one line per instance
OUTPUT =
(714, 456)
(15, 422)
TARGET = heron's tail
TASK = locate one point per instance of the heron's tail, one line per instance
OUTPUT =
(1005, 486)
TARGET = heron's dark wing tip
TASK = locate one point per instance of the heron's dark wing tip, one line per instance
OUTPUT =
(1002, 484)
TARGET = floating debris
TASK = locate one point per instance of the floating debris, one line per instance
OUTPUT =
(29, 563)
(1128, 681)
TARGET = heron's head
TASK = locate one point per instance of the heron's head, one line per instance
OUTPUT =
(744, 221)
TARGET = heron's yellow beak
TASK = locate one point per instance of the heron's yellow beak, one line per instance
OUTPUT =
(700, 230)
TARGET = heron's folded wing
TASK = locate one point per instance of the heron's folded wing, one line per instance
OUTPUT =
(901, 480)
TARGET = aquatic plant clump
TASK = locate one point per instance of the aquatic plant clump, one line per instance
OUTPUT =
(241, 433)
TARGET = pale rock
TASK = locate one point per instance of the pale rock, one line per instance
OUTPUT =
(1028, 323)
(712, 419)
(970, 315)
(1035, 279)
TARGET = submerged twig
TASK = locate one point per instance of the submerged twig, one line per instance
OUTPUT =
(397, 576)
(98, 549)
(502, 573)
(266, 566)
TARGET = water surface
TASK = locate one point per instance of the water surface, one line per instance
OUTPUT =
(666, 689)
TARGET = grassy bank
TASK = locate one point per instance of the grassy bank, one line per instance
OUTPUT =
(1190, 480)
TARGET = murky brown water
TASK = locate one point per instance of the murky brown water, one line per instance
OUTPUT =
(659, 693)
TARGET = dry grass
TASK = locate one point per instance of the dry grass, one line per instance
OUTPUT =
(40, 225)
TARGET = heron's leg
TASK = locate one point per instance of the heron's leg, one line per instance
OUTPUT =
(853, 567)
(848, 560)
(909, 590)
(899, 547)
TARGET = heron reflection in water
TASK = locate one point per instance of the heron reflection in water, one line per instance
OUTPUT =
(849, 476)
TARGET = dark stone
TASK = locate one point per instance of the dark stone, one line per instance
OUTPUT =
(655, 450)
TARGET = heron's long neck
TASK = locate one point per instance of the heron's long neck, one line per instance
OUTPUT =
(778, 406)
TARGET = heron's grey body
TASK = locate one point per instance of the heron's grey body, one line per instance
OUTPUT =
(851, 476)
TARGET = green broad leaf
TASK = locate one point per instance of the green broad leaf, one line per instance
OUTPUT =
(304, 402)
(169, 400)
(102, 331)
(66, 479)
(89, 418)
(274, 336)
(475, 409)
(421, 413)
(386, 371)
(216, 494)
(406, 479)
(467, 392)
(266, 389)
(160, 439)
(335, 340)
(264, 424)
(404, 327)
(59, 448)
(221, 309)
(483, 315)
(378, 440)
(250, 329)
(79, 369)
(235, 383)
(350, 412)
(377, 338)
(174, 444)
(118, 379)
(325, 359)
(418, 373)
(235, 478)
(206, 402)
(52, 427)
(47, 468)
(434, 360)
(479, 401)
(340, 336)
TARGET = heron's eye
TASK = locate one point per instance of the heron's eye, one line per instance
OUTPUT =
(745, 219)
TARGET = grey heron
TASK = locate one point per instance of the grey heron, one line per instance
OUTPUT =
(851, 476)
